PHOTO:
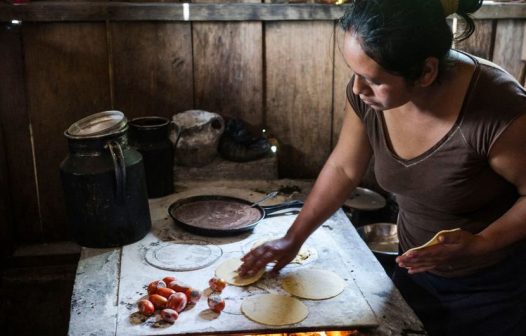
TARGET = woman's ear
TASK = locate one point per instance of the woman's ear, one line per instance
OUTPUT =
(429, 72)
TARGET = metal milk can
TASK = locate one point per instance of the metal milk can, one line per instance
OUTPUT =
(104, 183)
(151, 137)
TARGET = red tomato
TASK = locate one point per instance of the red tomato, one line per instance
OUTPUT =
(177, 302)
(158, 301)
(155, 285)
(216, 303)
(217, 284)
(166, 292)
(168, 279)
(146, 307)
(178, 286)
(192, 295)
(169, 315)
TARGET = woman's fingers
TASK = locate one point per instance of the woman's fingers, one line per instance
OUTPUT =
(280, 264)
(413, 270)
(256, 260)
(279, 250)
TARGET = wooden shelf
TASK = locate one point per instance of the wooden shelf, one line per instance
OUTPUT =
(153, 11)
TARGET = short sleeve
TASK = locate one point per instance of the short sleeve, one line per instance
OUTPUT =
(494, 104)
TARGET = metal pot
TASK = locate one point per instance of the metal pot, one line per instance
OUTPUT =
(151, 137)
(365, 206)
(382, 240)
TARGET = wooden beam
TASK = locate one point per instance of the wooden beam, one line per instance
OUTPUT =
(120, 11)
(161, 11)
(500, 10)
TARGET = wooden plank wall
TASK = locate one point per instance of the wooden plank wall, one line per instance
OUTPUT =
(286, 76)
(6, 219)
(67, 79)
(19, 191)
(299, 58)
(228, 61)
(151, 68)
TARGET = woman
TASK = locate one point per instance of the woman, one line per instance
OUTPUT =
(448, 133)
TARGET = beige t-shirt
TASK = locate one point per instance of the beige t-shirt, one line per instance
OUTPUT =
(452, 184)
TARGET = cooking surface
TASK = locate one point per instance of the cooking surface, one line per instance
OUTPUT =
(347, 309)
(107, 287)
(216, 214)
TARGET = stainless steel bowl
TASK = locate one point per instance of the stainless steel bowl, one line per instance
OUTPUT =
(381, 238)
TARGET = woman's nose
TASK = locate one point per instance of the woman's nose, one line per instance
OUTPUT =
(359, 86)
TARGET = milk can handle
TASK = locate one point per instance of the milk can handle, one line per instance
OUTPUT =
(120, 170)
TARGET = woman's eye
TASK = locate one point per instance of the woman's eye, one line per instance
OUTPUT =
(369, 81)
(373, 82)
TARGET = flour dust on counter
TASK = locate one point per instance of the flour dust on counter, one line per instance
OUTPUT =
(346, 310)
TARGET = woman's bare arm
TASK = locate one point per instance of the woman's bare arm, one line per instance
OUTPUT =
(340, 174)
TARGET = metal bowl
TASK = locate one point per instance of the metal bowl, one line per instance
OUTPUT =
(381, 238)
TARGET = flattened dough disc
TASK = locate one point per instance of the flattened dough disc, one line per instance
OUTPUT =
(432, 241)
(274, 310)
(315, 284)
(227, 271)
(182, 256)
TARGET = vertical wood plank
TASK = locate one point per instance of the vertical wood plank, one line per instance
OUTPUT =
(67, 76)
(17, 147)
(152, 64)
(299, 79)
(228, 68)
(508, 40)
(342, 75)
(6, 218)
(482, 41)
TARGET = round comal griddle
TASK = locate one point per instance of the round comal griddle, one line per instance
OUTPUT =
(215, 215)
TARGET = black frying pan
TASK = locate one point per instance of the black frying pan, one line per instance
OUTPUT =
(220, 216)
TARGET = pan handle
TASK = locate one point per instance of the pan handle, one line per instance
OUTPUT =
(285, 205)
(279, 214)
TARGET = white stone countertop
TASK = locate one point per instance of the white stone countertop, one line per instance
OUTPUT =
(109, 282)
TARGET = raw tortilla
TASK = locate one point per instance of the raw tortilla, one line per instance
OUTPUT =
(227, 271)
(313, 284)
(301, 258)
(434, 240)
(274, 310)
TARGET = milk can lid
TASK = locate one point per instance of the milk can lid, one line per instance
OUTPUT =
(98, 124)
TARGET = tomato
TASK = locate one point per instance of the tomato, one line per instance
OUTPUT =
(177, 301)
(146, 307)
(154, 286)
(192, 295)
(178, 286)
(166, 292)
(169, 315)
(216, 303)
(168, 279)
(158, 301)
(217, 284)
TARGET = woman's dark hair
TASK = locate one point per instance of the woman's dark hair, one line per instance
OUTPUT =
(400, 34)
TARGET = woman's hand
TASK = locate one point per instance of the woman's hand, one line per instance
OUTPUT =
(281, 250)
(451, 246)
